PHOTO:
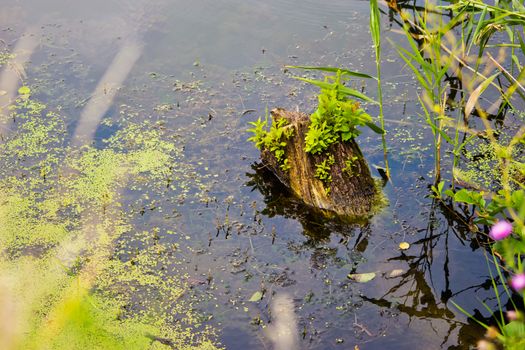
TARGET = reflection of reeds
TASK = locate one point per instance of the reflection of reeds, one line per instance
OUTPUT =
(464, 46)
(424, 57)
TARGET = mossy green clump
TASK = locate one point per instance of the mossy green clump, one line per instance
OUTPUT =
(89, 323)
(74, 281)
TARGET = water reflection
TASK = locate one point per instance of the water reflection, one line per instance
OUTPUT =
(285, 246)
(317, 226)
(283, 331)
(432, 281)
(13, 74)
(432, 275)
(106, 90)
(422, 291)
(436, 270)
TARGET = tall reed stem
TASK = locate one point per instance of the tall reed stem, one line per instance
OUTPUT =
(375, 29)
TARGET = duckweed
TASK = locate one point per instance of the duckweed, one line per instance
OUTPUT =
(71, 278)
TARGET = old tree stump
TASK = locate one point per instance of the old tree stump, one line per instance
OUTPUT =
(352, 192)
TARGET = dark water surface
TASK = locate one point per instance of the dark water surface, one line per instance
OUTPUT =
(200, 67)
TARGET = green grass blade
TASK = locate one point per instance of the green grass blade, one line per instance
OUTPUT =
(375, 24)
(420, 78)
(474, 96)
(496, 292)
(342, 89)
(375, 30)
(441, 132)
(334, 70)
(375, 128)
(522, 43)
(469, 315)
(478, 29)
(505, 287)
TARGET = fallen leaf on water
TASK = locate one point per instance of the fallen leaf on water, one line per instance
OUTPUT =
(404, 245)
(362, 277)
(396, 273)
(256, 296)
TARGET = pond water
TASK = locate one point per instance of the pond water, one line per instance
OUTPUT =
(200, 71)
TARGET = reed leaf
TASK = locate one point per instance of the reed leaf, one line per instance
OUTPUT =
(342, 89)
(334, 70)
(469, 315)
(375, 30)
(474, 96)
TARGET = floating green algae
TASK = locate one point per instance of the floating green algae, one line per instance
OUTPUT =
(66, 270)
(5, 56)
(481, 166)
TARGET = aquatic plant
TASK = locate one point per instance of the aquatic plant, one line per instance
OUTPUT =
(435, 55)
(273, 139)
(441, 48)
(62, 211)
(504, 211)
(336, 118)
(322, 171)
(429, 66)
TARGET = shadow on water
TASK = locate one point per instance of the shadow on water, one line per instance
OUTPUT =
(427, 289)
(422, 291)
(280, 201)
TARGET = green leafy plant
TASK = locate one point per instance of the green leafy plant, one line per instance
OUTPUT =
(337, 116)
(429, 66)
(323, 172)
(350, 164)
(259, 132)
(273, 139)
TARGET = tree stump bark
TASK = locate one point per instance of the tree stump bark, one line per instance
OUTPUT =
(351, 193)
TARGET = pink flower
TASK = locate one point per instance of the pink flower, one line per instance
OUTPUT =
(518, 282)
(501, 229)
(512, 315)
